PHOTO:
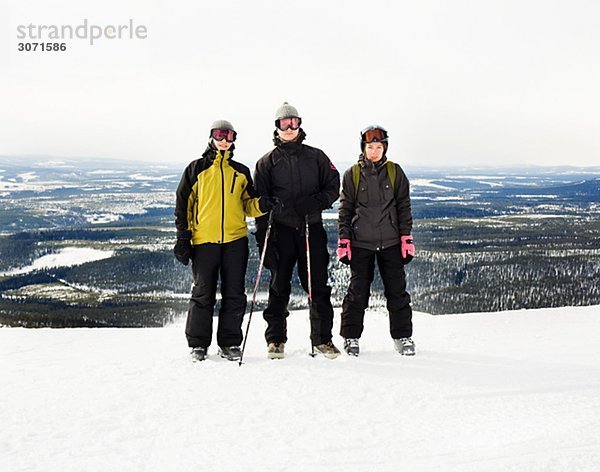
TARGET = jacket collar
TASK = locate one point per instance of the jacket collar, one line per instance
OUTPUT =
(211, 152)
(367, 164)
(290, 147)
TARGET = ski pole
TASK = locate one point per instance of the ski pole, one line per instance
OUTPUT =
(308, 271)
(308, 265)
(260, 266)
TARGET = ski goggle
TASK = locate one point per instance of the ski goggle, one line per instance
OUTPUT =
(293, 122)
(223, 134)
(374, 134)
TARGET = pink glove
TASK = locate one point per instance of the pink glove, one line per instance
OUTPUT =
(344, 252)
(407, 248)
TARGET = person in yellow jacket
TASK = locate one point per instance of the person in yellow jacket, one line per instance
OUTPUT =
(214, 198)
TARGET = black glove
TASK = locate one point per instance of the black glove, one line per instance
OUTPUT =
(183, 247)
(307, 205)
(271, 257)
(273, 204)
(260, 235)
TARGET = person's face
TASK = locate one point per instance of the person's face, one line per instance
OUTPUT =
(374, 151)
(288, 135)
(222, 145)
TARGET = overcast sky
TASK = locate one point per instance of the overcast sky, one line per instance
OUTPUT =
(454, 82)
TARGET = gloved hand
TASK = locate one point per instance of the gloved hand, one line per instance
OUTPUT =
(344, 251)
(273, 204)
(271, 257)
(260, 235)
(307, 205)
(183, 247)
(407, 249)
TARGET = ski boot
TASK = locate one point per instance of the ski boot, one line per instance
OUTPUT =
(405, 346)
(198, 353)
(231, 353)
(275, 350)
(351, 346)
(327, 349)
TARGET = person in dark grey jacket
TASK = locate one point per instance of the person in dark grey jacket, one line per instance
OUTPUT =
(305, 182)
(375, 223)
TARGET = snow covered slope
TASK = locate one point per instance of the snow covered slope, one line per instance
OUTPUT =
(512, 391)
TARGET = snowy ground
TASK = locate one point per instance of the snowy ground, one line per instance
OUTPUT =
(512, 391)
(66, 257)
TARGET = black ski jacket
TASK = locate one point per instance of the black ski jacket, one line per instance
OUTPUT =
(378, 214)
(293, 170)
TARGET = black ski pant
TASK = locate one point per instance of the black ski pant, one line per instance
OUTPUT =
(229, 260)
(290, 248)
(356, 301)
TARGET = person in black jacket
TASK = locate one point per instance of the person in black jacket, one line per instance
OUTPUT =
(375, 223)
(305, 181)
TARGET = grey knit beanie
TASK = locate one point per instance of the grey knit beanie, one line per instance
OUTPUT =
(222, 124)
(286, 111)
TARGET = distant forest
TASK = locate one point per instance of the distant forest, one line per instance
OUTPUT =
(461, 266)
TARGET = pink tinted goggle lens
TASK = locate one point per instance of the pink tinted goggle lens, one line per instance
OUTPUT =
(289, 123)
(223, 134)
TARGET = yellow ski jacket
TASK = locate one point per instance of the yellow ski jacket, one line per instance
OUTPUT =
(214, 197)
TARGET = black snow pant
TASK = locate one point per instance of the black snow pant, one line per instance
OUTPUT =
(209, 260)
(290, 247)
(356, 301)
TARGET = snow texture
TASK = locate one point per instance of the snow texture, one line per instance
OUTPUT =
(510, 391)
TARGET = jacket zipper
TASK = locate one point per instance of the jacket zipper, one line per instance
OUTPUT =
(196, 205)
(222, 201)
(296, 169)
(233, 182)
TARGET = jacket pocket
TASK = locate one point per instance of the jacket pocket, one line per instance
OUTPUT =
(362, 195)
(354, 226)
(235, 174)
(393, 221)
(388, 191)
(395, 229)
